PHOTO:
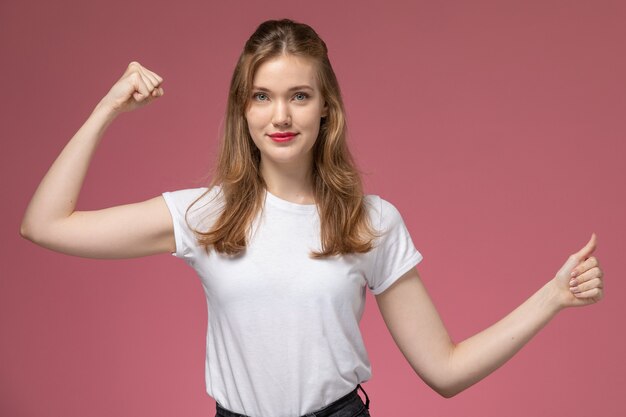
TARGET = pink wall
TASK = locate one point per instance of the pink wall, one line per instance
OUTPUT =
(496, 128)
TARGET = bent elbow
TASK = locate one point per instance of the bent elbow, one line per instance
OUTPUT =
(25, 231)
(447, 387)
(447, 393)
(444, 389)
(30, 232)
(445, 380)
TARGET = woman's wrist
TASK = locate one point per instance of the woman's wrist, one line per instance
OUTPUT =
(555, 298)
(106, 110)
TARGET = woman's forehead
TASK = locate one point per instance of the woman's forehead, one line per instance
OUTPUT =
(285, 73)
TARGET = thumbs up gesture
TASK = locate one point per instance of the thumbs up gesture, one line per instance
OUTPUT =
(579, 281)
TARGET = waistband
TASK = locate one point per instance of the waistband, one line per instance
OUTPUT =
(323, 412)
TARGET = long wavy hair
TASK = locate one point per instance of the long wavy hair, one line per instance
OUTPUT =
(344, 221)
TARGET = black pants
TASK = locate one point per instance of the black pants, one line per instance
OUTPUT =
(350, 405)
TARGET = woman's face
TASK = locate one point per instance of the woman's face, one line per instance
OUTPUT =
(285, 100)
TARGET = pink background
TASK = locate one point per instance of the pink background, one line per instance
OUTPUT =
(496, 128)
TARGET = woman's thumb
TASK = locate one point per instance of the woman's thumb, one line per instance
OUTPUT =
(138, 96)
(578, 257)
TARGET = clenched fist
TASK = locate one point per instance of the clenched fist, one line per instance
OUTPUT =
(137, 87)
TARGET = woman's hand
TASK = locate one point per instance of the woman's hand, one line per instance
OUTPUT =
(579, 281)
(137, 87)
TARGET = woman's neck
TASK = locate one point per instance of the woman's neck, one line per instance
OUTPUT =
(293, 183)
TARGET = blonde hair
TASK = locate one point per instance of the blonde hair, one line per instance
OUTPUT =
(344, 221)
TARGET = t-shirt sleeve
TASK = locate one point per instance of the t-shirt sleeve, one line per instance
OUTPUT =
(394, 252)
(177, 202)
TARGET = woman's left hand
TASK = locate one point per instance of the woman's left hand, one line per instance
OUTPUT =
(579, 281)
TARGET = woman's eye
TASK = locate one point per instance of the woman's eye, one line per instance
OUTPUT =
(257, 95)
(303, 95)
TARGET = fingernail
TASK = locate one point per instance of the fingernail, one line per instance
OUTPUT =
(574, 290)
(572, 283)
(573, 274)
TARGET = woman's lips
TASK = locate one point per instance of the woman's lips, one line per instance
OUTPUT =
(283, 137)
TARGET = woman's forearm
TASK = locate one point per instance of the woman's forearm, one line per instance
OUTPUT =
(57, 193)
(476, 357)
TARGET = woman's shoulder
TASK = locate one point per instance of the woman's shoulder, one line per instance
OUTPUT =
(199, 200)
(382, 211)
(189, 195)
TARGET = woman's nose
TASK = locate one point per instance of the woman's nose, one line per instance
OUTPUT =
(281, 116)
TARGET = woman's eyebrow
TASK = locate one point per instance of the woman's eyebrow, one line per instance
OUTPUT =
(297, 87)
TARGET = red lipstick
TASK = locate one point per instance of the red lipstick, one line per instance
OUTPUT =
(282, 136)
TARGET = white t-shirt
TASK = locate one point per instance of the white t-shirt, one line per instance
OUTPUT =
(283, 335)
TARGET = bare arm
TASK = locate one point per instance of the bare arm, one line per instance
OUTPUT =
(124, 231)
(450, 368)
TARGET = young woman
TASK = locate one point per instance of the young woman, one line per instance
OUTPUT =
(285, 242)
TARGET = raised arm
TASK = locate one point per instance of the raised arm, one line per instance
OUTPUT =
(124, 231)
(449, 368)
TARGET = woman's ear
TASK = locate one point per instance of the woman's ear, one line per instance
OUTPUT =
(325, 110)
